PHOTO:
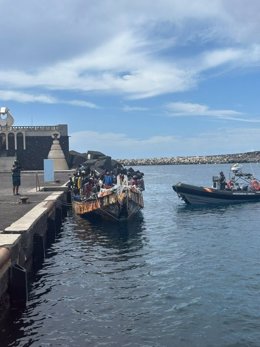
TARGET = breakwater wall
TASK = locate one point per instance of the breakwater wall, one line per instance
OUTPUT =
(248, 157)
(23, 245)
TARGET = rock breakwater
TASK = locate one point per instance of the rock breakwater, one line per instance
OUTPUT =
(248, 157)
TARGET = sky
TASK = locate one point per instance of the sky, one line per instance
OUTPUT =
(135, 78)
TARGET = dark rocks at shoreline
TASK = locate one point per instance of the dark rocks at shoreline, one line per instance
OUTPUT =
(76, 159)
(248, 157)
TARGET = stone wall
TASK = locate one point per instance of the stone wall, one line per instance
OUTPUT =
(31, 145)
(37, 149)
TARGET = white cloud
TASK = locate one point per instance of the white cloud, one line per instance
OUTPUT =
(127, 108)
(80, 103)
(120, 145)
(21, 97)
(122, 65)
(198, 110)
(125, 66)
(219, 57)
(191, 109)
(225, 140)
(123, 52)
(238, 58)
(8, 95)
(115, 144)
(80, 51)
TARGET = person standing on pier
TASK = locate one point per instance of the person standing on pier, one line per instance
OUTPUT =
(16, 177)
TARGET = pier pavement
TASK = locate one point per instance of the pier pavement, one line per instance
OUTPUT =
(24, 228)
(11, 206)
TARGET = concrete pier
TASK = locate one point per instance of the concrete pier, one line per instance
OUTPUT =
(28, 224)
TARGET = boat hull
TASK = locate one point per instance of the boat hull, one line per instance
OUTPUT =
(196, 195)
(113, 206)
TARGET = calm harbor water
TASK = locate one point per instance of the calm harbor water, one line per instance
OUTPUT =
(175, 276)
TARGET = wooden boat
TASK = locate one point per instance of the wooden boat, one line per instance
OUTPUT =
(102, 187)
(242, 187)
(117, 203)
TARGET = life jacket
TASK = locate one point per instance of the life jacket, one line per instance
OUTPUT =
(255, 185)
(230, 184)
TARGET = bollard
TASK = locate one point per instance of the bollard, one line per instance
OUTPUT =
(24, 199)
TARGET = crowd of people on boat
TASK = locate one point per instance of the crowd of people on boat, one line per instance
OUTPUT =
(90, 182)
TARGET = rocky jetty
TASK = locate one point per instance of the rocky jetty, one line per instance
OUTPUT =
(248, 157)
(76, 159)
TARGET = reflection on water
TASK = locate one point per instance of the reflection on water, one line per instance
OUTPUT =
(88, 270)
(119, 235)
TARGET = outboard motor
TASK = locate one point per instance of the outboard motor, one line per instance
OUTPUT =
(216, 182)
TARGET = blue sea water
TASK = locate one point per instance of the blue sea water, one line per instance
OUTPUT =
(174, 276)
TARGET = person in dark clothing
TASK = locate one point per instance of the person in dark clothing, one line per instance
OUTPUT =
(222, 180)
(16, 177)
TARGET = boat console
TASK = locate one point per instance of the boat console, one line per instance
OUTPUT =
(216, 182)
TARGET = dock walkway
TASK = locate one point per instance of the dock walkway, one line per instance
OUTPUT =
(11, 207)
(26, 227)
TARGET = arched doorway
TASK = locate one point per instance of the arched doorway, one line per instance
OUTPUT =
(2, 142)
(20, 141)
(11, 144)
